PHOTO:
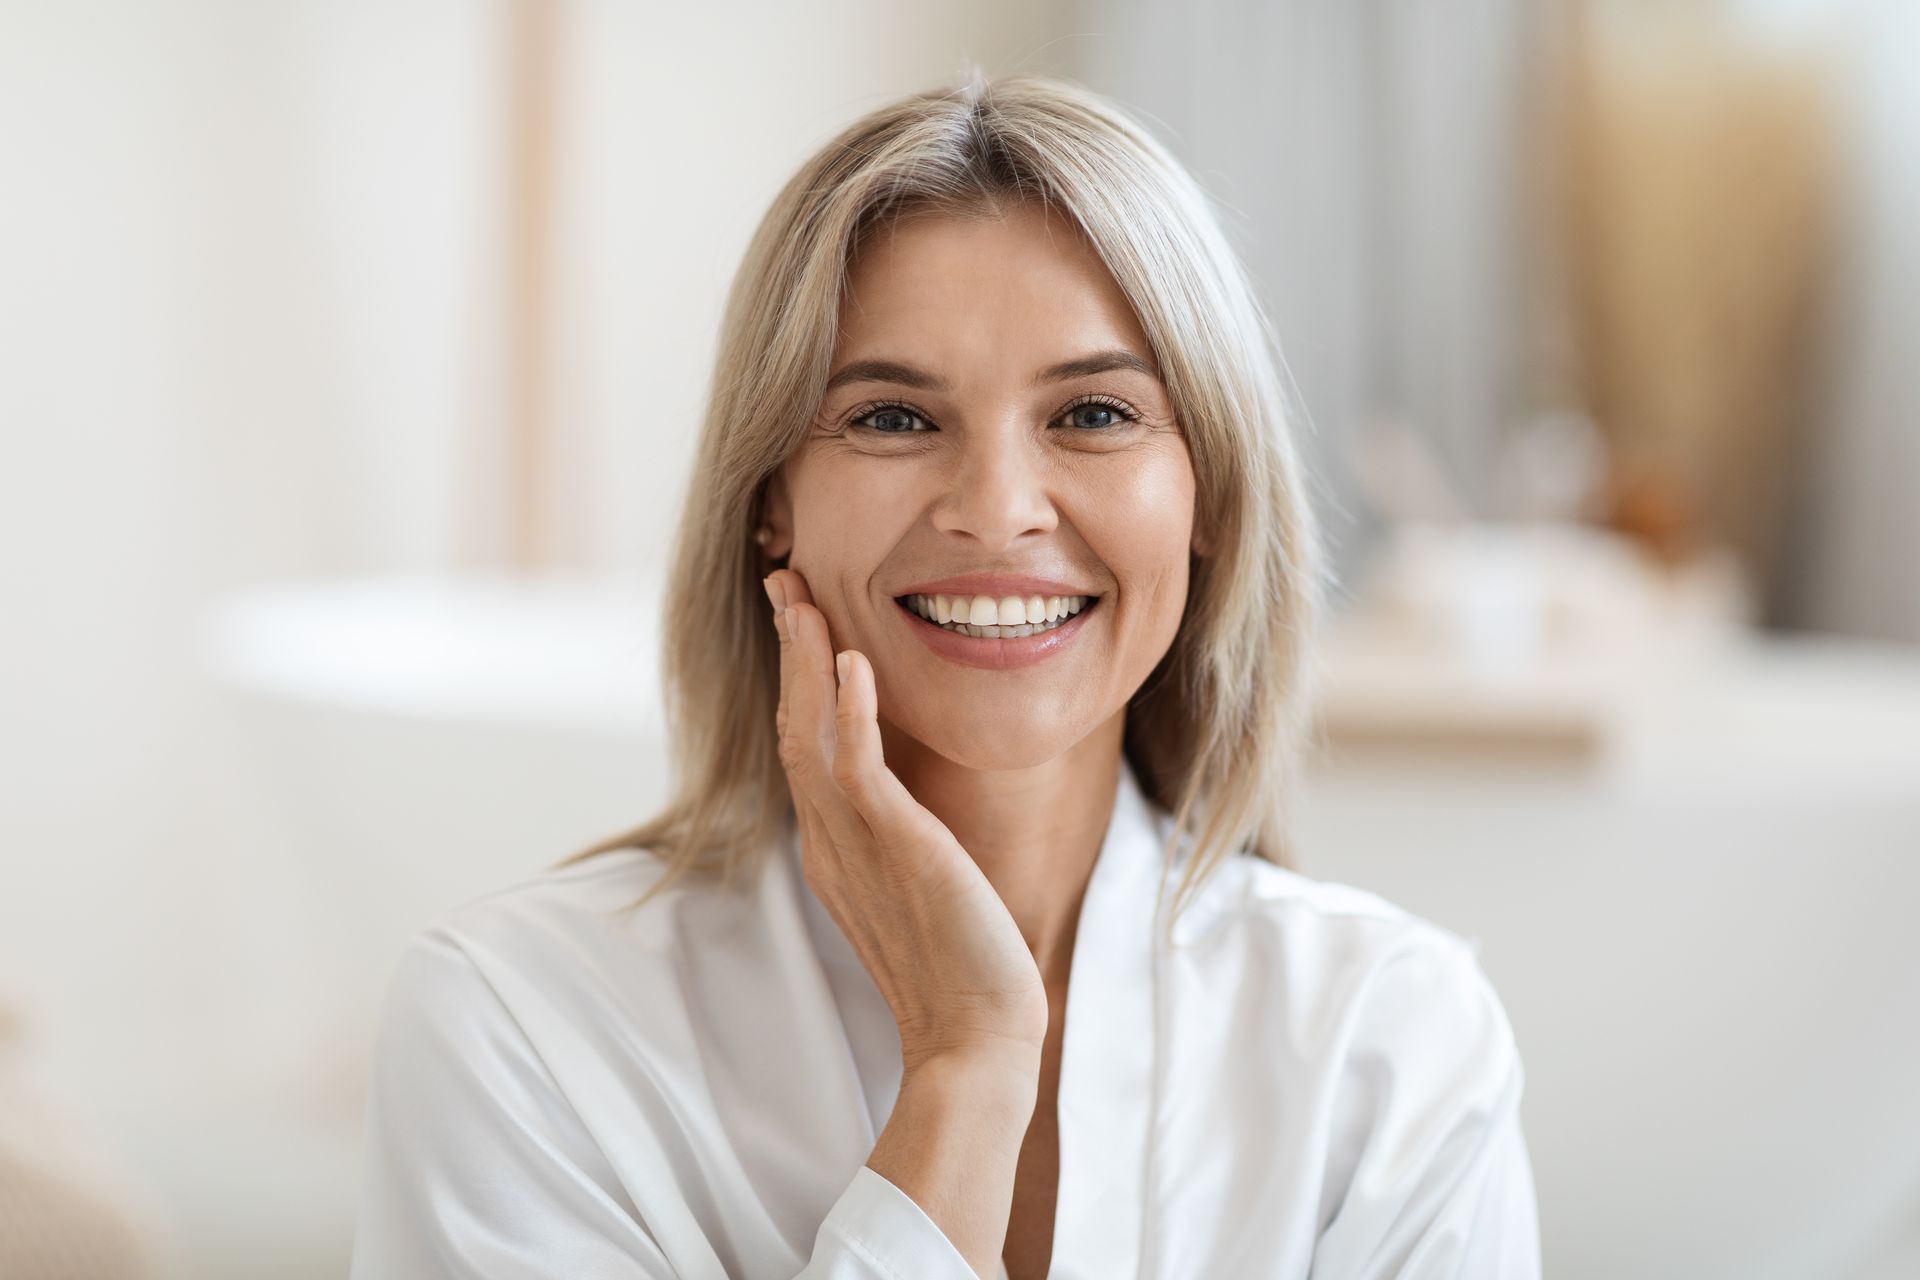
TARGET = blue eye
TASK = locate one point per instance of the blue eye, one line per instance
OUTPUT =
(893, 411)
(892, 418)
(1117, 413)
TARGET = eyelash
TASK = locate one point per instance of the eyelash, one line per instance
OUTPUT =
(1128, 414)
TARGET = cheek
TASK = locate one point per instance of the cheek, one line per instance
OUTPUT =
(848, 512)
(1142, 520)
(1145, 536)
(843, 498)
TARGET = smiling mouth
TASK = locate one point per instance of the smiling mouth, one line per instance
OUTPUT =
(1059, 611)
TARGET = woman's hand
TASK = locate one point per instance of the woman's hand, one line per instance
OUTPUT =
(923, 918)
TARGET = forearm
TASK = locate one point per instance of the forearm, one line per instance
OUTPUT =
(953, 1143)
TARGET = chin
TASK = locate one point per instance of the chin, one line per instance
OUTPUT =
(991, 749)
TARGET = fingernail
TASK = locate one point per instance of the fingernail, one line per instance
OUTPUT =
(840, 665)
(775, 592)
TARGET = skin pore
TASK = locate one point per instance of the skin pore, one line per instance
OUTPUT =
(989, 466)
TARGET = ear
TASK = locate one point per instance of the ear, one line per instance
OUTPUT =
(1203, 543)
(776, 519)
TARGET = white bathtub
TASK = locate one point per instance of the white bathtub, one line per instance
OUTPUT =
(1707, 946)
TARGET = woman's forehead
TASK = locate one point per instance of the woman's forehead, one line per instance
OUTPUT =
(1011, 291)
(1025, 234)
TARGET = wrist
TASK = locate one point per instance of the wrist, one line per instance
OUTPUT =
(996, 1075)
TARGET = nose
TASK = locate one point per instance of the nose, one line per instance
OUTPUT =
(998, 489)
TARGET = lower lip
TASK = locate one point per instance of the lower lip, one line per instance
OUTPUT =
(1001, 653)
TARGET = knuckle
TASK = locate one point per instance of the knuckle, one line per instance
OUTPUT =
(848, 774)
(889, 846)
(792, 754)
(894, 838)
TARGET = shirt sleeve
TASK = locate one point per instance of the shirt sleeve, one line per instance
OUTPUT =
(475, 1166)
(1441, 1187)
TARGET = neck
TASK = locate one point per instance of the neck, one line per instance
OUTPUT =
(1034, 832)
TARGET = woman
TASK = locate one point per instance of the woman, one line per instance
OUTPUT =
(988, 618)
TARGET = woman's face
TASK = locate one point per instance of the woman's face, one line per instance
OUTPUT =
(976, 451)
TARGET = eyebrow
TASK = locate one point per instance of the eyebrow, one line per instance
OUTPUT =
(907, 375)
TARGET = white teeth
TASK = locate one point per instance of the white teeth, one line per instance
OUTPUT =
(985, 616)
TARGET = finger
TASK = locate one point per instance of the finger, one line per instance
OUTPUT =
(828, 809)
(784, 586)
(859, 765)
(780, 701)
(815, 840)
(811, 716)
(819, 842)
(810, 659)
(783, 716)
(811, 697)
(800, 753)
(794, 583)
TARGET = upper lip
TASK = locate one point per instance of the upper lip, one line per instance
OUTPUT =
(997, 585)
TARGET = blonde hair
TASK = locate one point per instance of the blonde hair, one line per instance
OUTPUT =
(1217, 731)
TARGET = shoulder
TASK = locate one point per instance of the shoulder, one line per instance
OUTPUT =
(490, 1094)
(588, 907)
(1250, 900)
(1388, 1044)
(448, 974)
(567, 952)
(1361, 980)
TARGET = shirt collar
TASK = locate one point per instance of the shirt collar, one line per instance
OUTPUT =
(1109, 1055)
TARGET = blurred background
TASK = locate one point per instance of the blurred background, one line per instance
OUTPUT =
(351, 356)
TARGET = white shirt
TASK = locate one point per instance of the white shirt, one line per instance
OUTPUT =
(1310, 1082)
